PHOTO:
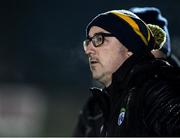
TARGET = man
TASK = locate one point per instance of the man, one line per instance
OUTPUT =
(137, 100)
(153, 15)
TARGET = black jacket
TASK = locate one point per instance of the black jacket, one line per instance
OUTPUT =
(139, 102)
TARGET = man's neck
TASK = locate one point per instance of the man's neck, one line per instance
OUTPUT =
(106, 80)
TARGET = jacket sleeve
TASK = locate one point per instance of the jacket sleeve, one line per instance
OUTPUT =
(162, 108)
(80, 127)
(85, 125)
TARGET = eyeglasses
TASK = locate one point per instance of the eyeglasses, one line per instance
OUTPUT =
(97, 40)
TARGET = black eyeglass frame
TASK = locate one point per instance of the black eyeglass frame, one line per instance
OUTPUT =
(89, 39)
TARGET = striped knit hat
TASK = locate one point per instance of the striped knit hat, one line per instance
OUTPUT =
(153, 15)
(128, 28)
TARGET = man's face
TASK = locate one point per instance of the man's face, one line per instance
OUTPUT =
(105, 59)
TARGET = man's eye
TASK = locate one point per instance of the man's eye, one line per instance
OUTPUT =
(98, 40)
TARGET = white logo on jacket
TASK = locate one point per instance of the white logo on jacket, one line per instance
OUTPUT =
(121, 116)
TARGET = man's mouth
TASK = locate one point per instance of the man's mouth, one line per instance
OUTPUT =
(93, 62)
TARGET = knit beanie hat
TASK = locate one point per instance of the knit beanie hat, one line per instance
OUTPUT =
(130, 30)
(153, 15)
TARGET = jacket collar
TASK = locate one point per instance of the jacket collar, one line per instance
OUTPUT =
(119, 78)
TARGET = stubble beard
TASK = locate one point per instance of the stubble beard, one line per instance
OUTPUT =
(99, 76)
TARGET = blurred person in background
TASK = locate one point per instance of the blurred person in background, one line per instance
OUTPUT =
(23, 110)
(152, 15)
(137, 99)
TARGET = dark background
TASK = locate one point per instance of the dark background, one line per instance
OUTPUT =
(41, 46)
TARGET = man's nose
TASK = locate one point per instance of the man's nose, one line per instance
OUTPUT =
(90, 49)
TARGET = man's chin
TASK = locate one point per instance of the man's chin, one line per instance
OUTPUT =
(96, 76)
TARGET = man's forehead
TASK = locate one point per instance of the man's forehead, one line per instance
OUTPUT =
(96, 29)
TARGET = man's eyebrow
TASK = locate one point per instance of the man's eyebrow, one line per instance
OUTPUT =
(96, 34)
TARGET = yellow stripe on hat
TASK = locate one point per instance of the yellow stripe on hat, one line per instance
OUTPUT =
(133, 24)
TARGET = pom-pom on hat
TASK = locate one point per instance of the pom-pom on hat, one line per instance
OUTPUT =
(129, 29)
(152, 15)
